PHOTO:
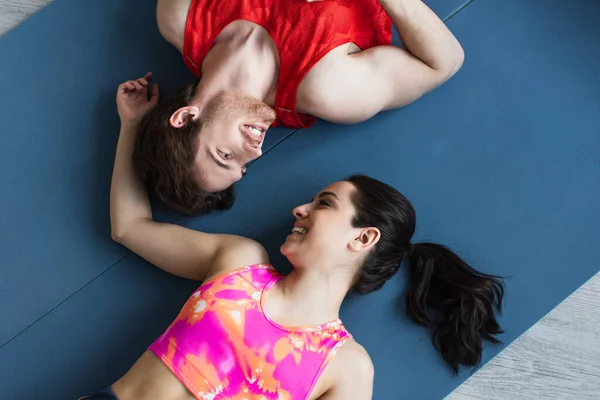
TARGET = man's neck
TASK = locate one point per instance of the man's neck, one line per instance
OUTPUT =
(243, 58)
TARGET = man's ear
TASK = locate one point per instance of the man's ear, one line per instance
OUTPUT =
(183, 115)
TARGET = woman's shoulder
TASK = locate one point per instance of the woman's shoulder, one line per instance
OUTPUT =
(354, 356)
(349, 374)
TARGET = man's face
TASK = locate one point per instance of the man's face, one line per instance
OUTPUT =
(232, 134)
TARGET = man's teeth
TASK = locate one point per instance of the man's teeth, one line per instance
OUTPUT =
(299, 230)
(255, 131)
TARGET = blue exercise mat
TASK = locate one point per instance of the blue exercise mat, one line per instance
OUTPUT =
(501, 163)
(59, 72)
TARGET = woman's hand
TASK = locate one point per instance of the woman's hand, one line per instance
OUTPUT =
(132, 99)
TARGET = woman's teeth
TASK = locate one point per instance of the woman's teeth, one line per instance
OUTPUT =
(299, 230)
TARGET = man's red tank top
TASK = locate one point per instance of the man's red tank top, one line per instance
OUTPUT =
(303, 33)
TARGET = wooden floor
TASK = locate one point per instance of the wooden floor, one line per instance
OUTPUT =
(558, 358)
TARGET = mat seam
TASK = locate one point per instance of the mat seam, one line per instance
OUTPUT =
(459, 9)
(65, 300)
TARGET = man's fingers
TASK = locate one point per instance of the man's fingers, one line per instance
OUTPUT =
(139, 84)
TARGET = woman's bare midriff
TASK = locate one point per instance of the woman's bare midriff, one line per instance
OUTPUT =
(150, 379)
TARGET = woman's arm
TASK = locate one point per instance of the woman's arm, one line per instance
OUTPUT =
(175, 249)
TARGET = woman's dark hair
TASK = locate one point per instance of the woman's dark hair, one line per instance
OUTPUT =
(163, 158)
(464, 298)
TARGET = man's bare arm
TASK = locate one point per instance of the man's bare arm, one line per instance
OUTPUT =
(387, 77)
(425, 35)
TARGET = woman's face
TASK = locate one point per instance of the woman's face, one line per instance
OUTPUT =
(323, 235)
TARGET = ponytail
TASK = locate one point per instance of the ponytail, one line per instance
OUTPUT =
(465, 298)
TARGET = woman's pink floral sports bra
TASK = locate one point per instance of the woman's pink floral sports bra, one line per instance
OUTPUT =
(222, 345)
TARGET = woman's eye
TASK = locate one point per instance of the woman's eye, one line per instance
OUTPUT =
(225, 155)
(324, 203)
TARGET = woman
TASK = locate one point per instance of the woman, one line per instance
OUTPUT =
(250, 333)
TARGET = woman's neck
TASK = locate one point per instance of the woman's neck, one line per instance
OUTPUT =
(308, 297)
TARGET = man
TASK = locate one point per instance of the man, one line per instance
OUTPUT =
(264, 63)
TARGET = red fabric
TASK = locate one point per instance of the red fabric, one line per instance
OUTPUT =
(303, 33)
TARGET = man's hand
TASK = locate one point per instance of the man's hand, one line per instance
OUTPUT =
(132, 99)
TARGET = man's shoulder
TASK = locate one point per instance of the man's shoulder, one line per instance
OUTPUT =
(171, 17)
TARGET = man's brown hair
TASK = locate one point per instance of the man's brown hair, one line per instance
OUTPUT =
(163, 158)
